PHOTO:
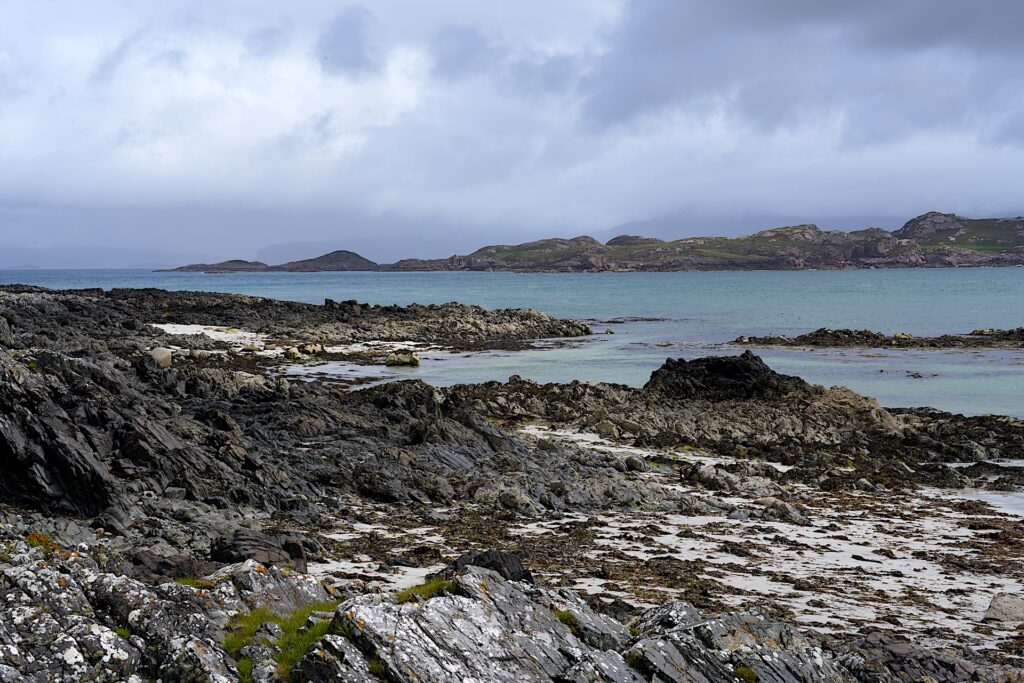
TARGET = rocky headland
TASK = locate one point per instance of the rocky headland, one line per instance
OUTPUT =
(932, 240)
(173, 507)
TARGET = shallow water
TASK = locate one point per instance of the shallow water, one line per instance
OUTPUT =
(697, 313)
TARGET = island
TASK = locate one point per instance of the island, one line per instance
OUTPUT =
(932, 240)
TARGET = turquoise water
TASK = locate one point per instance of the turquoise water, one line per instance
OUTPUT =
(698, 313)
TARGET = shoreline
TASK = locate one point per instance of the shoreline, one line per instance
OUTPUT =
(187, 477)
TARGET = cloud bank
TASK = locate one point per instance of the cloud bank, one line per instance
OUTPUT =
(412, 129)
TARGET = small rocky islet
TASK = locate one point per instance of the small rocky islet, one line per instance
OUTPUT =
(989, 338)
(175, 507)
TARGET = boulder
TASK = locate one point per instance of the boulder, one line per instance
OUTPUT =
(722, 378)
(398, 358)
(246, 544)
(162, 356)
(1006, 608)
(506, 565)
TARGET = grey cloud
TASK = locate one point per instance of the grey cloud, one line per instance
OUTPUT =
(537, 75)
(266, 42)
(883, 69)
(348, 44)
(461, 51)
(496, 122)
(111, 61)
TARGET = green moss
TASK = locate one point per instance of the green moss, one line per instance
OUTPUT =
(379, 669)
(193, 582)
(746, 674)
(569, 619)
(636, 661)
(123, 631)
(425, 590)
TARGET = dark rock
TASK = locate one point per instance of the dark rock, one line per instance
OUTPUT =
(245, 544)
(152, 568)
(506, 565)
(882, 657)
(722, 378)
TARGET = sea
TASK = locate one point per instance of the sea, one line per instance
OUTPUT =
(654, 316)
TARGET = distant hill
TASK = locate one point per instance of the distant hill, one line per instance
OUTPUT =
(932, 240)
(937, 230)
(233, 266)
(335, 261)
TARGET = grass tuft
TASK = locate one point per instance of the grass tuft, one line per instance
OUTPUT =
(123, 631)
(38, 539)
(569, 619)
(245, 670)
(292, 644)
(424, 591)
(379, 669)
(195, 582)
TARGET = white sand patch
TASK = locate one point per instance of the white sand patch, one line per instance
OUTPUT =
(392, 578)
(598, 443)
(383, 347)
(229, 335)
(866, 559)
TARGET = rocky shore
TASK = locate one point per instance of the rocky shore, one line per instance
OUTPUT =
(173, 508)
(827, 338)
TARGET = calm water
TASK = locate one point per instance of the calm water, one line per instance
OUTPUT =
(699, 312)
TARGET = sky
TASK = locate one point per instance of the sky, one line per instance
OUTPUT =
(138, 132)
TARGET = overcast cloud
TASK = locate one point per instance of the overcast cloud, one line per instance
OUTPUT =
(156, 131)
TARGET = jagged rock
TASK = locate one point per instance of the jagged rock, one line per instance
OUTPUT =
(262, 586)
(333, 660)
(678, 644)
(488, 631)
(886, 658)
(64, 618)
(153, 568)
(487, 628)
(723, 378)
(6, 336)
